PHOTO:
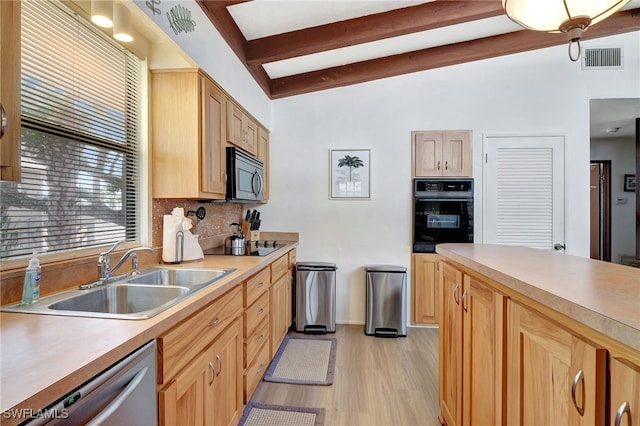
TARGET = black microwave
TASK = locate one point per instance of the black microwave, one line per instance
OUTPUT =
(245, 176)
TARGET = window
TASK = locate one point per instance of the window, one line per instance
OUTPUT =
(80, 136)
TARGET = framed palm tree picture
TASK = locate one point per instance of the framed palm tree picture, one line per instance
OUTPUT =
(350, 174)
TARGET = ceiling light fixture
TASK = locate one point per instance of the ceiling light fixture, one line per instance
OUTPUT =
(102, 13)
(122, 23)
(568, 16)
(612, 129)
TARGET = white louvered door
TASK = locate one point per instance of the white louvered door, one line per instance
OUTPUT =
(524, 191)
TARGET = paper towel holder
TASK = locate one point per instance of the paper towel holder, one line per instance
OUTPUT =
(179, 246)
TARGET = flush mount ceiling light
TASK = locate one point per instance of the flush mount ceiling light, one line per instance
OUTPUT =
(102, 13)
(568, 16)
(122, 23)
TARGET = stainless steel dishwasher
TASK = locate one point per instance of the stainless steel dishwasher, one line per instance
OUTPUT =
(123, 394)
(315, 297)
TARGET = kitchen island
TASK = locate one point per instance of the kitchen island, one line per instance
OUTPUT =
(536, 337)
(45, 356)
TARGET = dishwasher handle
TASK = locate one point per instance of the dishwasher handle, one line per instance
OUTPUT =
(119, 400)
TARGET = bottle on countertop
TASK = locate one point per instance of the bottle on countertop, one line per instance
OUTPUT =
(31, 288)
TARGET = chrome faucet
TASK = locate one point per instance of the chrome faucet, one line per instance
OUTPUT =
(104, 265)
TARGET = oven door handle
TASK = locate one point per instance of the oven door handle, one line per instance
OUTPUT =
(467, 199)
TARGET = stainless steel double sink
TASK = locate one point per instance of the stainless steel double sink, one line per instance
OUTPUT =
(138, 297)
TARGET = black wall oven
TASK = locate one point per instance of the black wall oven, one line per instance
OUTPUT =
(442, 213)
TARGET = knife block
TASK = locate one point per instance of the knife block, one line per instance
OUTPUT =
(254, 235)
(245, 228)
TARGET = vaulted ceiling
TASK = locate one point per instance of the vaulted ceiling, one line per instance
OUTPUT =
(300, 46)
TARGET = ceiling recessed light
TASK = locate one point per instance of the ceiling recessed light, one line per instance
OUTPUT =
(612, 129)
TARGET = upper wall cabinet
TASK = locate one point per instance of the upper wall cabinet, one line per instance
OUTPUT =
(242, 129)
(10, 90)
(441, 153)
(263, 154)
(189, 138)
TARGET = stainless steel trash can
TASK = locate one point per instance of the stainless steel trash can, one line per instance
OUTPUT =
(386, 301)
(315, 296)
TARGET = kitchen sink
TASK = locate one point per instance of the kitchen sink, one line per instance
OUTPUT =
(178, 276)
(122, 299)
(139, 297)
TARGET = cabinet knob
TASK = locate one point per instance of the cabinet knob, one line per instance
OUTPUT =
(622, 410)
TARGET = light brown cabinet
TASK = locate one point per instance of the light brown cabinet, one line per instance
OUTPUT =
(242, 129)
(188, 135)
(200, 366)
(424, 288)
(10, 91)
(263, 154)
(280, 304)
(441, 153)
(624, 402)
(554, 377)
(471, 350)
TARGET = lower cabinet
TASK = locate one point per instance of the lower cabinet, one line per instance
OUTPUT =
(471, 350)
(208, 391)
(554, 377)
(424, 288)
(624, 402)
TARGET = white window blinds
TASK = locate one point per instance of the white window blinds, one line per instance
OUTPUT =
(80, 133)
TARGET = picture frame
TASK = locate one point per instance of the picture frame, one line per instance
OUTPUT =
(629, 183)
(350, 174)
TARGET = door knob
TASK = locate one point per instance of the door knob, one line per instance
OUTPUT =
(558, 247)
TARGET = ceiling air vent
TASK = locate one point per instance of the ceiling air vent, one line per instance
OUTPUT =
(602, 58)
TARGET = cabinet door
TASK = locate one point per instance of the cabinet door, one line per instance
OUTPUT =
(450, 339)
(624, 405)
(226, 389)
(183, 400)
(427, 154)
(235, 125)
(10, 90)
(483, 353)
(456, 154)
(263, 154)
(213, 157)
(425, 289)
(553, 377)
(251, 136)
(278, 310)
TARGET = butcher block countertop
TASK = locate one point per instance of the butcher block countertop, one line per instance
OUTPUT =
(602, 296)
(42, 357)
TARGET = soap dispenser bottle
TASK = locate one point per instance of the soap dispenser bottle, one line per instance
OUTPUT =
(31, 288)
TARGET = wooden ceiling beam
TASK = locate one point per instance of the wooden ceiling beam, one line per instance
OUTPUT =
(368, 28)
(443, 56)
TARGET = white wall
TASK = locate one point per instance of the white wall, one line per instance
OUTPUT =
(621, 152)
(529, 93)
(209, 50)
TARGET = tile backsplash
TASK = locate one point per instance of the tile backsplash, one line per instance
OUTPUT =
(216, 222)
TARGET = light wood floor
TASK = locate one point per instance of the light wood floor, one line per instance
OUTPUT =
(377, 381)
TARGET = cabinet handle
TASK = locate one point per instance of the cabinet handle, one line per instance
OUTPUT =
(261, 338)
(456, 294)
(465, 299)
(219, 364)
(577, 379)
(261, 367)
(212, 372)
(3, 126)
(622, 410)
(446, 165)
(214, 322)
(260, 285)
(438, 164)
(260, 311)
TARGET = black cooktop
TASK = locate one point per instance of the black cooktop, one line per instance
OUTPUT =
(252, 248)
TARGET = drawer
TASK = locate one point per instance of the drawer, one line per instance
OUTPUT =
(255, 286)
(255, 372)
(279, 267)
(182, 343)
(253, 343)
(255, 313)
(292, 258)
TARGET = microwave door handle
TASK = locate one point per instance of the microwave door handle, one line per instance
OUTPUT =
(257, 190)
